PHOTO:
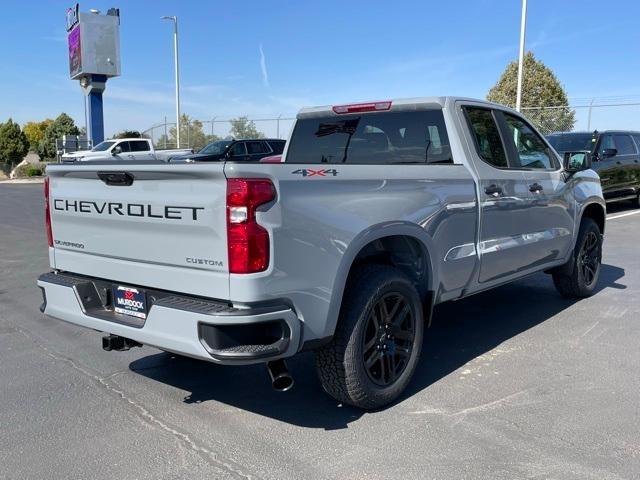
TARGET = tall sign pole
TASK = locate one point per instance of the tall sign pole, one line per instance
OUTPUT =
(523, 27)
(176, 66)
(94, 57)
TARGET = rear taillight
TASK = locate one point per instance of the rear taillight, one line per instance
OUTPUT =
(362, 107)
(47, 212)
(247, 242)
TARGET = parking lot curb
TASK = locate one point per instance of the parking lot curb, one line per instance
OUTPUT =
(21, 181)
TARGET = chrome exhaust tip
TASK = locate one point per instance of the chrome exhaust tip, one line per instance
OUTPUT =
(281, 379)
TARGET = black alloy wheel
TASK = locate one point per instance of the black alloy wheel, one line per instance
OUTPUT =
(388, 339)
(590, 258)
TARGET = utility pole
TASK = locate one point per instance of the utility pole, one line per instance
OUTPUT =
(523, 27)
(589, 120)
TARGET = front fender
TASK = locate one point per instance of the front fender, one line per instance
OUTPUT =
(587, 191)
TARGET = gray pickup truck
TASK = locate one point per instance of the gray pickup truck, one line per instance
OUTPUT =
(378, 212)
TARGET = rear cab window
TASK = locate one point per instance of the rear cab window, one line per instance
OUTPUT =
(371, 139)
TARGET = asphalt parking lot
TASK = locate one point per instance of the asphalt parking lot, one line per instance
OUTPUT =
(513, 383)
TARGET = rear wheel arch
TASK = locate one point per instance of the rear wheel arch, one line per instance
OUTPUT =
(393, 245)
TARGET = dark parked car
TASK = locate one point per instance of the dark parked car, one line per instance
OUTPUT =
(248, 150)
(616, 158)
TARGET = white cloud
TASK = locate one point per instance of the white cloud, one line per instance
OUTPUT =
(263, 68)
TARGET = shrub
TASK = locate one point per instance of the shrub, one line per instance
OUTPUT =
(33, 171)
(28, 170)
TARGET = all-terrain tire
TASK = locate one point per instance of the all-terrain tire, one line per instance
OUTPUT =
(341, 363)
(579, 277)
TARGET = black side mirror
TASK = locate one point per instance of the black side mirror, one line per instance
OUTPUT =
(577, 161)
(609, 152)
(117, 150)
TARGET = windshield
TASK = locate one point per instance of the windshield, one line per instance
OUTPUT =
(216, 148)
(571, 142)
(101, 147)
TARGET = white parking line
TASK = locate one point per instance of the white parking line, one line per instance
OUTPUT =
(613, 217)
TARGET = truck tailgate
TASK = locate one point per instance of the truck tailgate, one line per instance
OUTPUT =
(153, 225)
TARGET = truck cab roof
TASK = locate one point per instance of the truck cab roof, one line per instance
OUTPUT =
(396, 104)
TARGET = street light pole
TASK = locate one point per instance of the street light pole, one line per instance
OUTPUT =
(175, 53)
(523, 27)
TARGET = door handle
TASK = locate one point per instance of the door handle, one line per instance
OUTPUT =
(535, 188)
(493, 190)
(116, 179)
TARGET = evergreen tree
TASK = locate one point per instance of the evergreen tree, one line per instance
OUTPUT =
(63, 125)
(14, 144)
(540, 88)
(128, 134)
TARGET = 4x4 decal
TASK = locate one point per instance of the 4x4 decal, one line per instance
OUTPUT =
(309, 172)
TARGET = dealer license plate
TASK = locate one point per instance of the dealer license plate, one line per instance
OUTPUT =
(129, 301)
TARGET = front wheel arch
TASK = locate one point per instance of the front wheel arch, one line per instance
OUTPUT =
(597, 213)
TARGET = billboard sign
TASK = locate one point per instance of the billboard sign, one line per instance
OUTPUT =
(75, 52)
(94, 43)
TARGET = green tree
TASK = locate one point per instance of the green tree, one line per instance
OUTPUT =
(13, 144)
(63, 125)
(128, 134)
(242, 127)
(192, 135)
(540, 88)
(35, 132)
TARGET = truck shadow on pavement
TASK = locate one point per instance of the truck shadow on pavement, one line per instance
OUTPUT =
(460, 332)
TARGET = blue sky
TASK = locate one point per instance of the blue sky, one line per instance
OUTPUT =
(263, 58)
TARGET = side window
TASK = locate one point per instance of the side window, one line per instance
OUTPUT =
(487, 136)
(239, 149)
(637, 139)
(278, 147)
(139, 146)
(124, 146)
(624, 145)
(606, 142)
(256, 147)
(531, 150)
